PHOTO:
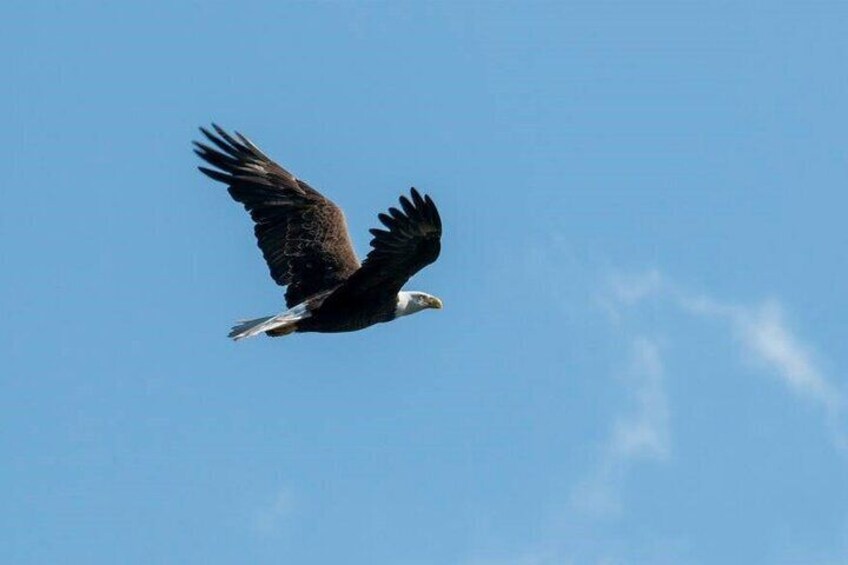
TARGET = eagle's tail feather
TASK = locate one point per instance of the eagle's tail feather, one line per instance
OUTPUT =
(281, 324)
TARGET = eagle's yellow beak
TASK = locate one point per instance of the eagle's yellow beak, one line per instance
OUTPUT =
(434, 302)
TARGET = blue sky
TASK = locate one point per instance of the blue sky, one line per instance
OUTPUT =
(641, 357)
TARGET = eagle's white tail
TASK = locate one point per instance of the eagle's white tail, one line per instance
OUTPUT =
(280, 322)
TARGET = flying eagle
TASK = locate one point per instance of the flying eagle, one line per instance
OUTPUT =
(304, 239)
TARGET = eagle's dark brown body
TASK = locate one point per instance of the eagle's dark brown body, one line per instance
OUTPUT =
(333, 316)
(304, 239)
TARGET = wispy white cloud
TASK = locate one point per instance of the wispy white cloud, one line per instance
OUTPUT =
(642, 433)
(766, 338)
(632, 288)
(270, 519)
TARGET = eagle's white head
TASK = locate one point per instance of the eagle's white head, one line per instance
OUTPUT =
(410, 302)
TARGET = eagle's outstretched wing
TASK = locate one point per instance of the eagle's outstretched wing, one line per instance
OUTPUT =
(411, 242)
(302, 234)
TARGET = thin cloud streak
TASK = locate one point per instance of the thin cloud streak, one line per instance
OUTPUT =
(762, 331)
(641, 434)
(645, 432)
(270, 520)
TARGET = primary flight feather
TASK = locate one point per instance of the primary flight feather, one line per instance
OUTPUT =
(304, 239)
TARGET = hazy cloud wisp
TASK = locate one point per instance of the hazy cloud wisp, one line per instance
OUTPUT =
(640, 434)
(762, 330)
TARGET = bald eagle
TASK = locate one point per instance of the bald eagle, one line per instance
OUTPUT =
(304, 239)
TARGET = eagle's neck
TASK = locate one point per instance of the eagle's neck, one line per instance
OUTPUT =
(407, 304)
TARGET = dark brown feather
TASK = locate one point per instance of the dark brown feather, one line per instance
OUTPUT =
(412, 241)
(302, 234)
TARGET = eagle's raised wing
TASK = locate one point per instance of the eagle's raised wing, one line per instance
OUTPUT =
(411, 242)
(303, 235)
